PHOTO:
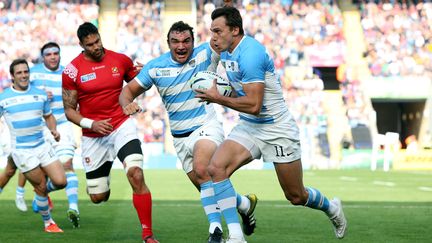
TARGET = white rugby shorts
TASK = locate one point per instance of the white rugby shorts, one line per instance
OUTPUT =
(28, 159)
(278, 143)
(212, 130)
(97, 150)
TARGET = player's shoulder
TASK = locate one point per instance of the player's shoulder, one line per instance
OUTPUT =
(36, 68)
(71, 69)
(4, 92)
(162, 61)
(117, 55)
(249, 42)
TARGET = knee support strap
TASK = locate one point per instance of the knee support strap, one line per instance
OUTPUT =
(98, 185)
(133, 160)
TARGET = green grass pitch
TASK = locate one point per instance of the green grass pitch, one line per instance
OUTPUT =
(379, 206)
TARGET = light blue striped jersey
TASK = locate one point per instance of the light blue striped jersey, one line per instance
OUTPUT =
(249, 63)
(23, 112)
(185, 113)
(45, 79)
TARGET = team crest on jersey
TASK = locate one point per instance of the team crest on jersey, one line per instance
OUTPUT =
(115, 71)
(36, 97)
(88, 77)
(231, 66)
(192, 63)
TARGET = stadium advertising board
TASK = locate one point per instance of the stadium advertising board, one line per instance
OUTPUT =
(420, 160)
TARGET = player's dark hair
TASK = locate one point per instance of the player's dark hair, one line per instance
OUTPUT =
(180, 26)
(232, 17)
(85, 30)
(48, 45)
(17, 62)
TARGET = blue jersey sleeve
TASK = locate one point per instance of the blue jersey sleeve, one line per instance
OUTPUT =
(252, 65)
(144, 78)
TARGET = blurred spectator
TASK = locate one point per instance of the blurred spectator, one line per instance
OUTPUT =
(30, 24)
(398, 37)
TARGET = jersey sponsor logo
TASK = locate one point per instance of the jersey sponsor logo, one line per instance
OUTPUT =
(98, 67)
(88, 77)
(71, 71)
(163, 73)
(10, 102)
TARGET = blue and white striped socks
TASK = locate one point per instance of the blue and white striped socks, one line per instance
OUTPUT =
(72, 190)
(210, 206)
(227, 200)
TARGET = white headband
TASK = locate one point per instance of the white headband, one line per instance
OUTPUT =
(50, 50)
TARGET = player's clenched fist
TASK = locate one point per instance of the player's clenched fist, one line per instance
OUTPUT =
(131, 108)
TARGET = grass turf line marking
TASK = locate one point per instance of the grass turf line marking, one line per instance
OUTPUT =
(384, 183)
(425, 188)
(348, 178)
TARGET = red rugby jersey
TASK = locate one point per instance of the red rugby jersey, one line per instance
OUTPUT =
(99, 85)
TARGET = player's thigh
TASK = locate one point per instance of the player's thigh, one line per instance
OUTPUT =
(10, 168)
(238, 149)
(206, 139)
(230, 156)
(36, 177)
(203, 151)
(55, 172)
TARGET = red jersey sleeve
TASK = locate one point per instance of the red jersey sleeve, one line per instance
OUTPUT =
(69, 77)
(130, 70)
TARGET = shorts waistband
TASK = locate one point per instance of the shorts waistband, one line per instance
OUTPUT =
(183, 135)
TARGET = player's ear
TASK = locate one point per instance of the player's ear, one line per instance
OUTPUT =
(236, 31)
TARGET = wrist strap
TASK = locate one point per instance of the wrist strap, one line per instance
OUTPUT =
(86, 123)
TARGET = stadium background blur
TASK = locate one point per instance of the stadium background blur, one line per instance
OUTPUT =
(355, 74)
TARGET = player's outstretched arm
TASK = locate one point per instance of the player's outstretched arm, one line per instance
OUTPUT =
(127, 96)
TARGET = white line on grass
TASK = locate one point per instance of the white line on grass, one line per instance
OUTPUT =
(348, 178)
(384, 183)
(425, 188)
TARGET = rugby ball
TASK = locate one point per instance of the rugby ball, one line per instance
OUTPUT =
(204, 80)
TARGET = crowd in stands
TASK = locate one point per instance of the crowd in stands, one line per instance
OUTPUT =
(284, 27)
(140, 37)
(398, 37)
(27, 25)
